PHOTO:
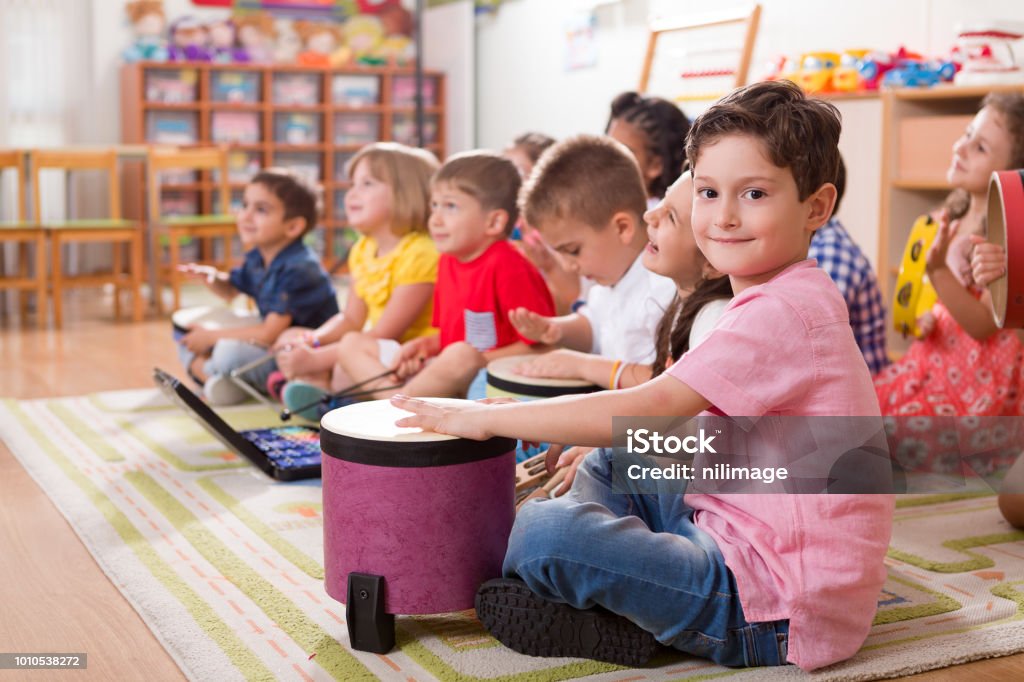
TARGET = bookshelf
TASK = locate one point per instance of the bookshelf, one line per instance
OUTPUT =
(310, 119)
(919, 127)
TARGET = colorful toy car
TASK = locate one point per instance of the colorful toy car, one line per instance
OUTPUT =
(873, 67)
(846, 77)
(815, 71)
(914, 74)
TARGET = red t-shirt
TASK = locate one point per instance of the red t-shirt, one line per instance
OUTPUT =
(472, 300)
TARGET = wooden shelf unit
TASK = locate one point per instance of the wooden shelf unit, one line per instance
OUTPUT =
(919, 127)
(193, 95)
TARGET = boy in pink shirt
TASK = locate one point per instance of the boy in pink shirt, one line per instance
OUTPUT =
(743, 579)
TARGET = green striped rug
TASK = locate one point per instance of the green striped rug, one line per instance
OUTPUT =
(226, 566)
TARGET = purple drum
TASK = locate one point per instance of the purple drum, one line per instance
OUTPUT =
(414, 521)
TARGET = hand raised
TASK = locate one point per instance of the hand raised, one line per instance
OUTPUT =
(535, 327)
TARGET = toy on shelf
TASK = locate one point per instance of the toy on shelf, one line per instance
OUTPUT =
(986, 53)
(363, 35)
(915, 295)
(188, 41)
(256, 35)
(320, 41)
(240, 127)
(846, 77)
(296, 128)
(873, 67)
(913, 70)
(296, 89)
(814, 71)
(224, 46)
(148, 25)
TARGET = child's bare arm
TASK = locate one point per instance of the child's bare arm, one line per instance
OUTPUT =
(598, 370)
(215, 280)
(974, 315)
(556, 420)
(351, 319)
(405, 305)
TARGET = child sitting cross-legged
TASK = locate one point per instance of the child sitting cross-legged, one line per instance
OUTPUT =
(745, 579)
(586, 198)
(393, 267)
(481, 277)
(281, 273)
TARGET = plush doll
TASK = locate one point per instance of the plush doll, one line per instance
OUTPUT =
(223, 46)
(288, 43)
(256, 34)
(188, 41)
(319, 40)
(363, 34)
(148, 25)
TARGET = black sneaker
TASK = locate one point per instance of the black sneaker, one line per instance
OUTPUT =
(524, 622)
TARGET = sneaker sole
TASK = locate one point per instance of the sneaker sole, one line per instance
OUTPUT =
(524, 622)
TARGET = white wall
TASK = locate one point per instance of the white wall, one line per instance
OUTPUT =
(522, 83)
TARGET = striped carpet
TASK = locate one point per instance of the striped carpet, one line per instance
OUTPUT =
(226, 566)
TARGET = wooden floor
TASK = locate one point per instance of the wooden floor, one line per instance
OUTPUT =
(53, 596)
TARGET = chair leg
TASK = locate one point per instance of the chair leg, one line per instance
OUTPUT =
(157, 265)
(118, 267)
(57, 284)
(22, 275)
(174, 260)
(135, 245)
(41, 280)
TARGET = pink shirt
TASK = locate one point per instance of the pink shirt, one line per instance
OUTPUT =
(786, 348)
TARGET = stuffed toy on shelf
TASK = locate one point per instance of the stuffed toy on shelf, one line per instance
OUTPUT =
(149, 25)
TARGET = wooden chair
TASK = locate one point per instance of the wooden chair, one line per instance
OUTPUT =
(24, 234)
(114, 229)
(169, 232)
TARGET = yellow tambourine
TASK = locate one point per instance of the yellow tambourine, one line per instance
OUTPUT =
(915, 295)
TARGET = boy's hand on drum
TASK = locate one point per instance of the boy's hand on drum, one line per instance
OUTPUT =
(462, 420)
(199, 340)
(535, 327)
(558, 364)
(197, 271)
(988, 261)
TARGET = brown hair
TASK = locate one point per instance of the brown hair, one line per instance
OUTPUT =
(672, 337)
(261, 21)
(300, 198)
(585, 177)
(664, 125)
(406, 171)
(307, 29)
(488, 177)
(1011, 106)
(797, 132)
(533, 144)
(140, 8)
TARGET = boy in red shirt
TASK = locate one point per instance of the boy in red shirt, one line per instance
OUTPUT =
(480, 278)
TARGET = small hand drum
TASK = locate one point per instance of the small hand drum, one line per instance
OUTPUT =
(915, 295)
(1006, 228)
(503, 382)
(209, 317)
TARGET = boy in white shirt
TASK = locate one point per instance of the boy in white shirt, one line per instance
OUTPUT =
(586, 197)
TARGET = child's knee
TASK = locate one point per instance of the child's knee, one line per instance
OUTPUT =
(542, 529)
(357, 343)
(461, 354)
(1012, 507)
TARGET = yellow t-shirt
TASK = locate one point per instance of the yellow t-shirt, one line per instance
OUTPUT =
(412, 261)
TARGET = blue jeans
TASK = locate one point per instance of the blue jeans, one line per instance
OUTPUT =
(642, 557)
(229, 354)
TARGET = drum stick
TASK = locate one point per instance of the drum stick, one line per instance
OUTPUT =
(349, 392)
(236, 377)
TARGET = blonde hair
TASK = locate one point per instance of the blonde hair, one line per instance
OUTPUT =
(261, 21)
(407, 172)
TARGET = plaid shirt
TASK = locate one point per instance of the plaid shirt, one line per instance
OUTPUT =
(839, 256)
